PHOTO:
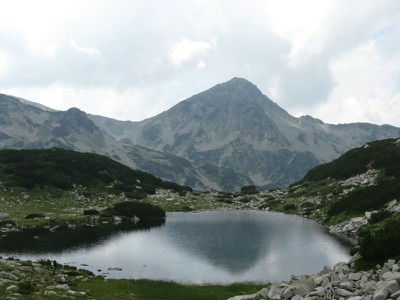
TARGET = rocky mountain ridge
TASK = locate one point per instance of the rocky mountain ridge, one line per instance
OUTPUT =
(221, 139)
(235, 136)
(24, 125)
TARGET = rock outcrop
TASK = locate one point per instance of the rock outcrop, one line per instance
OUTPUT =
(36, 279)
(340, 282)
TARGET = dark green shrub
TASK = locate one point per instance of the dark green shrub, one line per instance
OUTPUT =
(7, 222)
(90, 212)
(25, 287)
(289, 206)
(186, 208)
(249, 189)
(136, 195)
(382, 243)
(368, 198)
(225, 200)
(34, 216)
(141, 210)
(379, 216)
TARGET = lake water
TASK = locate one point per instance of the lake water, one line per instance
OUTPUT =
(203, 247)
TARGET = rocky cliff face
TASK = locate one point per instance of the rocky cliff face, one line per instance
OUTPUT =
(25, 125)
(235, 136)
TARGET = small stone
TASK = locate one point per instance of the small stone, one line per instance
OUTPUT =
(355, 276)
(347, 286)
(343, 293)
(390, 263)
(355, 298)
(12, 288)
(62, 287)
(76, 293)
(395, 295)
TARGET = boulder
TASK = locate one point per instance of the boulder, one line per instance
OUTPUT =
(12, 288)
(395, 295)
(390, 276)
(391, 286)
(50, 293)
(343, 293)
(347, 285)
(341, 268)
(4, 216)
(355, 276)
(62, 287)
(9, 276)
(380, 294)
(78, 294)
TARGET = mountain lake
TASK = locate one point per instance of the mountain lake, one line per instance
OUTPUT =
(204, 247)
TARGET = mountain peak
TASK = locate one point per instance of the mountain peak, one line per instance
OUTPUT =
(239, 86)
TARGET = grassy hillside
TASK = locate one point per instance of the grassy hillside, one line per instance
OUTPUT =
(382, 156)
(364, 181)
(57, 187)
(62, 169)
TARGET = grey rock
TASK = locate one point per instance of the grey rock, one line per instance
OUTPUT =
(355, 276)
(12, 288)
(380, 294)
(385, 269)
(275, 292)
(343, 293)
(390, 263)
(395, 295)
(325, 270)
(9, 276)
(341, 268)
(50, 293)
(62, 287)
(355, 298)
(390, 276)
(318, 292)
(83, 294)
(392, 286)
(25, 269)
(4, 216)
(347, 286)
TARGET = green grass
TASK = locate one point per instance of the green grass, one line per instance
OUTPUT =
(149, 290)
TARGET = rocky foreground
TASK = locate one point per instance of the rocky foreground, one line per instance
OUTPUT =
(339, 282)
(19, 279)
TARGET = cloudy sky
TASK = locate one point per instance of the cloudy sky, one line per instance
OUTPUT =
(338, 60)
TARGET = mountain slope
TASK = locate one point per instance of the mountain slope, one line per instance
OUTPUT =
(62, 169)
(236, 136)
(24, 125)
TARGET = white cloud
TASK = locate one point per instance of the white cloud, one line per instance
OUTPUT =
(201, 65)
(186, 49)
(109, 57)
(367, 87)
(85, 49)
(4, 63)
(303, 23)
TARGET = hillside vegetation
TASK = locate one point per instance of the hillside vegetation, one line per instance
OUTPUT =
(62, 169)
(55, 187)
(382, 156)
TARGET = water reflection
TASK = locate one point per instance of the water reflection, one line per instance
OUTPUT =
(234, 242)
(67, 240)
(212, 247)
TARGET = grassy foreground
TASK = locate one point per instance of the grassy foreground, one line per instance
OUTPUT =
(148, 289)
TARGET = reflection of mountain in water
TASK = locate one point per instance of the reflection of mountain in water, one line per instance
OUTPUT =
(232, 241)
(45, 241)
